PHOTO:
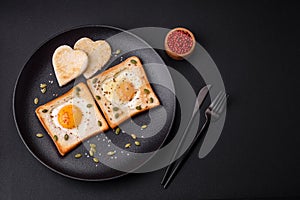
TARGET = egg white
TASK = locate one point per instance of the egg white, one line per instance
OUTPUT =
(111, 84)
(87, 115)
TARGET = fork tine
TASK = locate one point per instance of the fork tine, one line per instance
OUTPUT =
(222, 104)
(221, 97)
(217, 101)
(214, 102)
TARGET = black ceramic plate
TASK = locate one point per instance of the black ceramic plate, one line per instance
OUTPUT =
(39, 69)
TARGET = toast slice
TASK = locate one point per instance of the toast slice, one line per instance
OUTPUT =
(99, 53)
(68, 64)
(71, 118)
(123, 91)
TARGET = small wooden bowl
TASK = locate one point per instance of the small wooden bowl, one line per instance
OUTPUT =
(179, 50)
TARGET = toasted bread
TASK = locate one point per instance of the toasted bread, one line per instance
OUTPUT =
(68, 64)
(123, 91)
(99, 53)
(68, 128)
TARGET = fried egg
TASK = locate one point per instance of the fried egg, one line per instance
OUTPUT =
(71, 115)
(123, 88)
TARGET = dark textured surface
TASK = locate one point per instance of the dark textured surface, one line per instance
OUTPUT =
(255, 44)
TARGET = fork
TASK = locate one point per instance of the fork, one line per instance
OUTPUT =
(212, 114)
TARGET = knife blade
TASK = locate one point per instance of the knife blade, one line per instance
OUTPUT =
(200, 98)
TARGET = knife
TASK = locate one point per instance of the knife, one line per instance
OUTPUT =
(199, 101)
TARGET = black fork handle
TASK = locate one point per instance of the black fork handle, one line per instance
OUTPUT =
(177, 164)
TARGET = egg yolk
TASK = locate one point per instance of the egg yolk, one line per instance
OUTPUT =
(125, 91)
(69, 116)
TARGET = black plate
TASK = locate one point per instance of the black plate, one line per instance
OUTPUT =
(38, 69)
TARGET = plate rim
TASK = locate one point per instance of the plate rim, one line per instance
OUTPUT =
(14, 102)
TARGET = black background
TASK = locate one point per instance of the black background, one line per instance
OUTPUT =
(255, 45)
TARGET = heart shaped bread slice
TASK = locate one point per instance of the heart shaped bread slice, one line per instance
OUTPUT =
(68, 64)
(99, 53)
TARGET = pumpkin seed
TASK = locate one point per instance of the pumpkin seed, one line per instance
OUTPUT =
(95, 80)
(43, 85)
(66, 137)
(133, 136)
(151, 100)
(115, 108)
(89, 105)
(144, 126)
(133, 62)
(36, 101)
(93, 149)
(117, 115)
(98, 97)
(111, 153)
(55, 137)
(127, 145)
(92, 145)
(117, 73)
(118, 51)
(118, 130)
(44, 110)
(91, 153)
(139, 107)
(77, 89)
(39, 135)
(146, 91)
(78, 155)
(99, 123)
(43, 90)
(96, 160)
(137, 143)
